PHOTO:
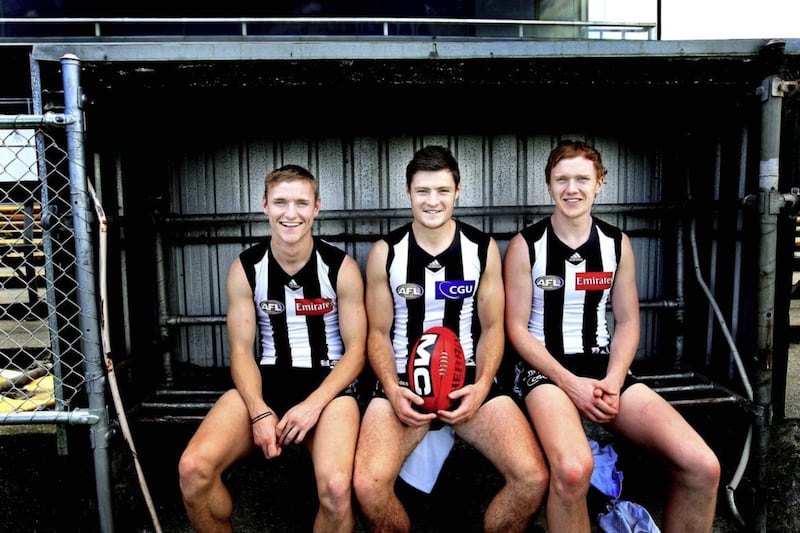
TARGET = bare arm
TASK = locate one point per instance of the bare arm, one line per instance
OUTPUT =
(301, 418)
(246, 376)
(380, 311)
(625, 305)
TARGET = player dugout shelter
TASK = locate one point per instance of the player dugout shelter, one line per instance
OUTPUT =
(166, 144)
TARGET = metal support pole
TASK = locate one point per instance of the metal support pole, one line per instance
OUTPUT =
(680, 284)
(48, 247)
(87, 297)
(163, 311)
(770, 203)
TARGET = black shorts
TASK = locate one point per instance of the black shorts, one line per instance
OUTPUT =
(594, 366)
(284, 388)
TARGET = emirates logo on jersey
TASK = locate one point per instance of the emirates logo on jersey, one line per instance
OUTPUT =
(593, 281)
(313, 306)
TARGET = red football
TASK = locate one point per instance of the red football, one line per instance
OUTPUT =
(436, 367)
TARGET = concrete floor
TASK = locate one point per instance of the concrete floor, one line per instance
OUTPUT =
(45, 492)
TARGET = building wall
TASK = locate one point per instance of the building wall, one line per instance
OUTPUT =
(362, 177)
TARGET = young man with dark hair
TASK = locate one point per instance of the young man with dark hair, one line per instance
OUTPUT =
(432, 250)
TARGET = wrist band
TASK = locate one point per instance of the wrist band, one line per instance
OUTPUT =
(262, 416)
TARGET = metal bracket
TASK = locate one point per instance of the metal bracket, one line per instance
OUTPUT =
(791, 200)
(772, 202)
(775, 86)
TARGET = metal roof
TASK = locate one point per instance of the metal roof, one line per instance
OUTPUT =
(395, 48)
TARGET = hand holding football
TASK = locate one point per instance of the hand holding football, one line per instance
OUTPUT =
(436, 367)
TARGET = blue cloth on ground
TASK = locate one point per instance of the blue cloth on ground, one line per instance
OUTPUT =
(605, 476)
(626, 517)
(622, 516)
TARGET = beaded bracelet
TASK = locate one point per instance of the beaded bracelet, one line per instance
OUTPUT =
(262, 416)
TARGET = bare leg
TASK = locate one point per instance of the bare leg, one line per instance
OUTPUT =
(559, 428)
(333, 446)
(500, 431)
(223, 437)
(383, 445)
(650, 421)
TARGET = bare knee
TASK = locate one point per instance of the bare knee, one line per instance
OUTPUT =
(711, 468)
(365, 487)
(530, 481)
(335, 493)
(195, 474)
(703, 472)
(373, 488)
(570, 477)
(539, 478)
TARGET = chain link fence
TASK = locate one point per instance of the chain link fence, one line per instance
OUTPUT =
(41, 364)
(51, 367)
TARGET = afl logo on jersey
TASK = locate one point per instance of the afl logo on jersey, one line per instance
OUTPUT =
(455, 289)
(409, 291)
(549, 282)
(272, 307)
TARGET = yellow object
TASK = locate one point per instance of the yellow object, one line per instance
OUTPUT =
(40, 396)
(42, 384)
(37, 401)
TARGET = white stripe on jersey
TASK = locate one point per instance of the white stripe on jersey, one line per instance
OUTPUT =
(397, 271)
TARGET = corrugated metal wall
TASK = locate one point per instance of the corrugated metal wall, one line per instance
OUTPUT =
(502, 175)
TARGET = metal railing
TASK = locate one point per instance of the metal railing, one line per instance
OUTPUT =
(162, 27)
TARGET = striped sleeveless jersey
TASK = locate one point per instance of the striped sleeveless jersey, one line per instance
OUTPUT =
(297, 316)
(436, 290)
(571, 287)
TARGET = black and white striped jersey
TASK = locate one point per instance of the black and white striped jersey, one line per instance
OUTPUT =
(571, 287)
(297, 316)
(436, 290)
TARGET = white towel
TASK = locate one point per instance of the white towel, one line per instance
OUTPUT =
(422, 467)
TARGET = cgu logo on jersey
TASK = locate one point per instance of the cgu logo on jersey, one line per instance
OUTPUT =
(593, 281)
(409, 291)
(422, 380)
(272, 307)
(454, 289)
(313, 306)
(549, 282)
